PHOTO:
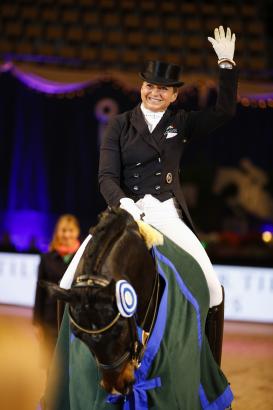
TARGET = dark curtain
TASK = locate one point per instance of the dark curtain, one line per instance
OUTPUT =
(248, 135)
(49, 149)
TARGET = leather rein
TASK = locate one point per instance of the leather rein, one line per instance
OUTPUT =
(137, 351)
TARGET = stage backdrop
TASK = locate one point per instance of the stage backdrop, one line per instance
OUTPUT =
(49, 139)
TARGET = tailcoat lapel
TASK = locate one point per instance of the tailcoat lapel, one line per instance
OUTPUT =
(156, 138)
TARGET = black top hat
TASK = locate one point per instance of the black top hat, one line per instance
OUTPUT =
(158, 72)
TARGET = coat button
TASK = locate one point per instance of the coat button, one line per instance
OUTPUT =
(157, 187)
(169, 178)
(139, 163)
(136, 175)
(159, 159)
(135, 188)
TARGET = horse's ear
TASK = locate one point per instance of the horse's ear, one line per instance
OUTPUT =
(55, 291)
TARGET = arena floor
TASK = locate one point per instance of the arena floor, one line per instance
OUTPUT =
(247, 361)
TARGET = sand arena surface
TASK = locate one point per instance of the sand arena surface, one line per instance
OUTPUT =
(247, 361)
(22, 380)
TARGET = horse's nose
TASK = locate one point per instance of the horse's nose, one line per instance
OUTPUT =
(112, 389)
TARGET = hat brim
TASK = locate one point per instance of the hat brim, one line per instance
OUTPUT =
(159, 80)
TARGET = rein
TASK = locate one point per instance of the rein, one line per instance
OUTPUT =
(138, 348)
(89, 331)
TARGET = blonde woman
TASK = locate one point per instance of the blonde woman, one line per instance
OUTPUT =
(64, 244)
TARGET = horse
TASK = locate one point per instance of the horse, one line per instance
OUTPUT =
(115, 302)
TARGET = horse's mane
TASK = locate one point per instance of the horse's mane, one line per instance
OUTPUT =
(112, 224)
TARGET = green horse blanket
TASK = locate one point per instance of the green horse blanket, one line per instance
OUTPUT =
(177, 372)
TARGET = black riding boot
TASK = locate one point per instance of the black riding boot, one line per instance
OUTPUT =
(215, 328)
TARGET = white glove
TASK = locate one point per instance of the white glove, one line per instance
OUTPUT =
(128, 205)
(223, 44)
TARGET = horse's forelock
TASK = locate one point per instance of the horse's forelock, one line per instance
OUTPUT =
(110, 217)
(86, 294)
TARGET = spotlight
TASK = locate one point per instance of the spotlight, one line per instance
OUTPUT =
(267, 236)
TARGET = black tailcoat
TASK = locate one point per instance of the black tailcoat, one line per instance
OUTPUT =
(135, 162)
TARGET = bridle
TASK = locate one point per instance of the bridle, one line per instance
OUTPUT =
(90, 281)
(137, 350)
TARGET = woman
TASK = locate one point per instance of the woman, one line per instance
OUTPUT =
(141, 152)
(53, 264)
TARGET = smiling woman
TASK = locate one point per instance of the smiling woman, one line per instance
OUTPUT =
(141, 151)
(157, 97)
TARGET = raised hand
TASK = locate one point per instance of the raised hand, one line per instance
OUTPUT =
(223, 44)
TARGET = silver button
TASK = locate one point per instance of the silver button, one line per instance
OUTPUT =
(184, 141)
(159, 159)
(136, 175)
(139, 163)
(169, 178)
(135, 188)
(157, 187)
(158, 173)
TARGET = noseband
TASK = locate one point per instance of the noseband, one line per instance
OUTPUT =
(138, 349)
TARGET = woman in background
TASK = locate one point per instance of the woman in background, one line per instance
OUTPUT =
(53, 264)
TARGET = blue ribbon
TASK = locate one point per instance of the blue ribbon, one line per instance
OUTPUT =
(137, 400)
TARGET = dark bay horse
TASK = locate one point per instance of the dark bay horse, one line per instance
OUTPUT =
(143, 316)
(116, 252)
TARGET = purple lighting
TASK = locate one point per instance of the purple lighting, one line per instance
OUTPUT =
(43, 85)
(267, 227)
(28, 225)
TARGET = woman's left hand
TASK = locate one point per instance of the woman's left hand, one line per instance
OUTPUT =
(129, 205)
(223, 44)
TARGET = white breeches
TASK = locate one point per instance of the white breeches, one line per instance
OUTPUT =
(166, 217)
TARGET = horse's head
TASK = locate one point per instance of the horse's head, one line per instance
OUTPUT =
(115, 277)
